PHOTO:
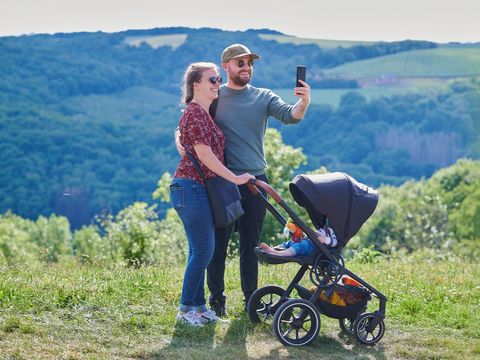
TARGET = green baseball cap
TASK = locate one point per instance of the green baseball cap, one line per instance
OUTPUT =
(237, 50)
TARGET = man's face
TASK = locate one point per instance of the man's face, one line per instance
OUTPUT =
(240, 70)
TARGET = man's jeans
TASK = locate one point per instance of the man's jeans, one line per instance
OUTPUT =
(249, 228)
(190, 200)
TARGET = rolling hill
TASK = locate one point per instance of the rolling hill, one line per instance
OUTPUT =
(92, 114)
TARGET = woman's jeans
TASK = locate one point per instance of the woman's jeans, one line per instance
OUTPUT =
(190, 200)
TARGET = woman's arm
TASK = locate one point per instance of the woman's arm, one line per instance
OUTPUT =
(208, 158)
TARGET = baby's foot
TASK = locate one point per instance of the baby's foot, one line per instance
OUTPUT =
(264, 247)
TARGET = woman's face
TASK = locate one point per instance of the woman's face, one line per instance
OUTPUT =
(208, 85)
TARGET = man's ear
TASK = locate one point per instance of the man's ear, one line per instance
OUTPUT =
(224, 67)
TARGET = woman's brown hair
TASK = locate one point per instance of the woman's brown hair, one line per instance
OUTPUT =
(192, 75)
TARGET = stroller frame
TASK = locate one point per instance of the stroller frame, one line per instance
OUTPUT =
(327, 267)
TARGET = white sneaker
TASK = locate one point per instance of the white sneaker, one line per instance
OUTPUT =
(209, 317)
(191, 318)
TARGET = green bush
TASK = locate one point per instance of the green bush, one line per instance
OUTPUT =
(25, 240)
(90, 245)
(15, 243)
(435, 213)
(53, 237)
(132, 234)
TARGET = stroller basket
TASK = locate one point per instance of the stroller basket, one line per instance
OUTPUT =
(357, 305)
(341, 312)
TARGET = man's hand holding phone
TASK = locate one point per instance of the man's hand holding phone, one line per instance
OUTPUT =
(302, 89)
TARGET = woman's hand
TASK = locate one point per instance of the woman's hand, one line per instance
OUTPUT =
(178, 144)
(243, 179)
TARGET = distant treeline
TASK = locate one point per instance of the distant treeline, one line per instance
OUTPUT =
(51, 67)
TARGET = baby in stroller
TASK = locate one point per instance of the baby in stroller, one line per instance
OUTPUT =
(301, 246)
(338, 206)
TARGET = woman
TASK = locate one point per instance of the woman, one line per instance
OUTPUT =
(205, 141)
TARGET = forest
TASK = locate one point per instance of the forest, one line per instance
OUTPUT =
(440, 213)
(87, 119)
(92, 255)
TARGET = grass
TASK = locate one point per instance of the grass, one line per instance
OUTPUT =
(323, 43)
(156, 41)
(438, 62)
(75, 311)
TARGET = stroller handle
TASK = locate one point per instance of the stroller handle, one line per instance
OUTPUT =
(252, 185)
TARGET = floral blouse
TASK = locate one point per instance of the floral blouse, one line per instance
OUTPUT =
(197, 127)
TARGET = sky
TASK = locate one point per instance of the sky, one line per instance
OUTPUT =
(369, 20)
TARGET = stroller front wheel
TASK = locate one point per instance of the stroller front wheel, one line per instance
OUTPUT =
(296, 322)
(368, 328)
(264, 302)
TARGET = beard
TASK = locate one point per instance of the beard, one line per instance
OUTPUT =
(237, 80)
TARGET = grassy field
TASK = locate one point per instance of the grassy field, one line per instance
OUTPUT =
(174, 40)
(323, 43)
(77, 311)
(438, 62)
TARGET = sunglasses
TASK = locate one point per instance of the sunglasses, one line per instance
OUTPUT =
(241, 63)
(214, 79)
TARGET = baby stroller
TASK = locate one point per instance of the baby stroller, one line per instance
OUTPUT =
(336, 292)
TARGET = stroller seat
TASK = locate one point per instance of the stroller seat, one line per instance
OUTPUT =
(275, 259)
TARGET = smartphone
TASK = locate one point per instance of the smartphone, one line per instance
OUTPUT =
(301, 73)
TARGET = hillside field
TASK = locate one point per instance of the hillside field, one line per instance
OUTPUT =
(92, 311)
(323, 43)
(439, 62)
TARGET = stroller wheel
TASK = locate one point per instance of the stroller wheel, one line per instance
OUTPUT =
(296, 322)
(346, 325)
(264, 302)
(368, 328)
(325, 273)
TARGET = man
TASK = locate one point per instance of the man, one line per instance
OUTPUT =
(242, 112)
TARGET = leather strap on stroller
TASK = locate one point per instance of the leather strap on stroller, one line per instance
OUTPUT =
(252, 185)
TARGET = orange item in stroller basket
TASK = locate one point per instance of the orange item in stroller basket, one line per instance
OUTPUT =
(342, 296)
(347, 280)
(335, 298)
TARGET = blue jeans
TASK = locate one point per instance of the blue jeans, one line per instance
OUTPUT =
(190, 200)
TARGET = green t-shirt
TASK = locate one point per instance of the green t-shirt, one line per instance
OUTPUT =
(243, 116)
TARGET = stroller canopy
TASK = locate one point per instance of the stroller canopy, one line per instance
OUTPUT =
(337, 196)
